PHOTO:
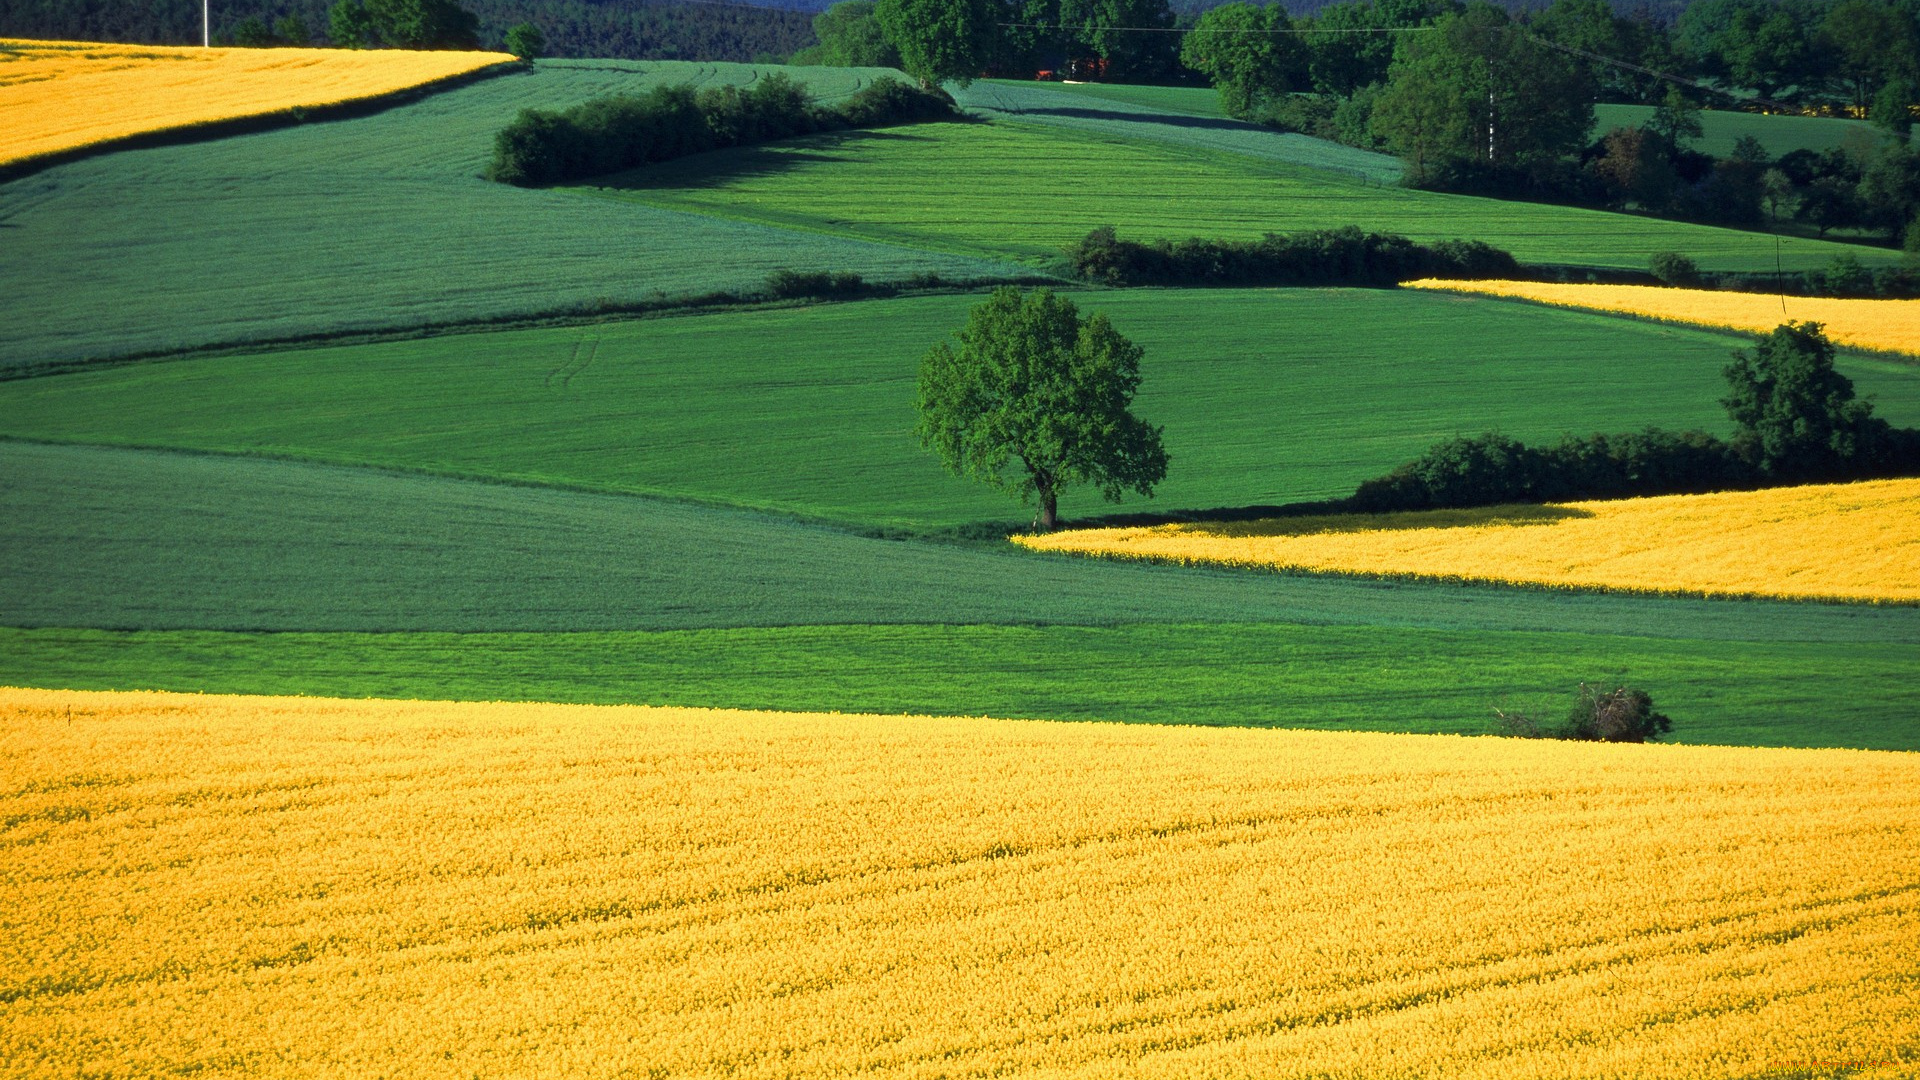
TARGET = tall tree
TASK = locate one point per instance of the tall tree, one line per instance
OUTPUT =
(850, 37)
(1791, 408)
(1868, 43)
(351, 26)
(424, 24)
(1036, 400)
(1510, 101)
(940, 40)
(1248, 52)
(1422, 115)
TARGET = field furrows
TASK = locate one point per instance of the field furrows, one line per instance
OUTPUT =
(973, 895)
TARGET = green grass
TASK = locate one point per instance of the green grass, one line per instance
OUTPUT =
(1267, 397)
(1027, 190)
(1371, 678)
(1779, 134)
(1105, 117)
(119, 539)
(377, 221)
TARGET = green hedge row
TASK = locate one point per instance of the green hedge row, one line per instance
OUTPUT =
(624, 131)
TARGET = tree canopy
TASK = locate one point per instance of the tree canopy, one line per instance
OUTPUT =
(1508, 100)
(849, 37)
(1248, 52)
(1796, 413)
(1036, 400)
(940, 40)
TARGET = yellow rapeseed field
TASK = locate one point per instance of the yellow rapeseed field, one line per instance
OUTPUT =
(1829, 541)
(292, 886)
(58, 95)
(1882, 325)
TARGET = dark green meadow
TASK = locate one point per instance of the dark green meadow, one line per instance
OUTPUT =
(725, 506)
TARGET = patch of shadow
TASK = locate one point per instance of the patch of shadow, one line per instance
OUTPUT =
(1205, 123)
(716, 167)
(1518, 515)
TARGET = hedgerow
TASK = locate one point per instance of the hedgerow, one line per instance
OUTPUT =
(624, 131)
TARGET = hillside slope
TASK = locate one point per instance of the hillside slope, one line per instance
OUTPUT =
(376, 221)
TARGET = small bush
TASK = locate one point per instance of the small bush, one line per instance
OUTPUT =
(791, 284)
(525, 41)
(1615, 714)
(887, 101)
(1673, 268)
(1845, 277)
(1599, 714)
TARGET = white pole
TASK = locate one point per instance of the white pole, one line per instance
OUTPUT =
(206, 24)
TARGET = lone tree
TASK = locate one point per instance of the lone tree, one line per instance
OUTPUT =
(1035, 401)
(1794, 413)
(526, 41)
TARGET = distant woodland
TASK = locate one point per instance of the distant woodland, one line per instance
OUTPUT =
(619, 29)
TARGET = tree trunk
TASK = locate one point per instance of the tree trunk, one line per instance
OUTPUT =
(1048, 517)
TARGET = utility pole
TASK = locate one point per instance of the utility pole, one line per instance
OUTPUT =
(206, 24)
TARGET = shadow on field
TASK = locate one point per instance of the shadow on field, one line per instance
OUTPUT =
(719, 167)
(1305, 525)
(1303, 519)
(1210, 123)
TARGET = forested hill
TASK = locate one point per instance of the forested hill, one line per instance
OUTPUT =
(623, 29)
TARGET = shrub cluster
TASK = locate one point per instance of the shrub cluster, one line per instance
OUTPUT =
(625, 131)
(1796, 420)
(1323, 257)
(1599, 714)
(1490, 469)
(792, 284)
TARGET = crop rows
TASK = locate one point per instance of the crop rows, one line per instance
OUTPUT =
(63, 95)
(1827, 541)
(373, 222)
(544, 889)
(1029, 189)
(1881, 325)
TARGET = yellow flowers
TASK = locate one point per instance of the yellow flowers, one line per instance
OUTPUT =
(315, 887)
(1884, 325)
(1836, 541)
(58, 95)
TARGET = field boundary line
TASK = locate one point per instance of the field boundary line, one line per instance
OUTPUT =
(585, 313)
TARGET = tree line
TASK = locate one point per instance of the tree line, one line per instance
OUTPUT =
(1474, 98)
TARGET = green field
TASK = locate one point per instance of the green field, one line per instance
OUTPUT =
(378, 221)
(1027, 190)
(127, 539)
(1344, 677)
(1779, 134)
(1267, 397)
